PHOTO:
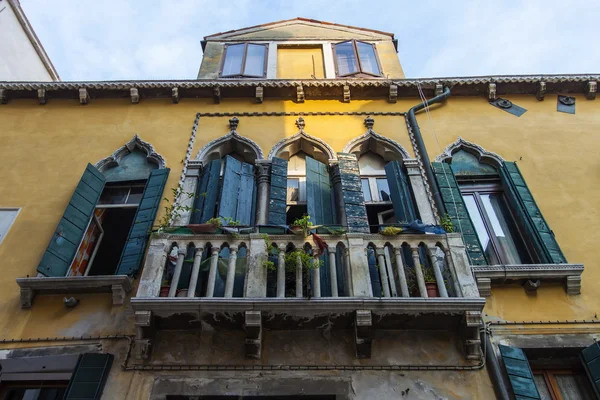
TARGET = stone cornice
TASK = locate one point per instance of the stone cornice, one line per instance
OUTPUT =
(323, 88)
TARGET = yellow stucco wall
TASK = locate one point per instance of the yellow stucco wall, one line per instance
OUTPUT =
(300, 62)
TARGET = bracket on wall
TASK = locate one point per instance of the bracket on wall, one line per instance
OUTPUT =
(84, 96)
(144, 328)
(491, 92)
(541, 91)
(217, 94)
(3, 97)
(393, 93)
(363, 331)
(253, 328)
(346, 94)
(41, 93)
(590, 90)
(175, 95)
(300, 94)
(508, 106)
(259, 94)
(135, 95)
(439, 89)
(565, 104)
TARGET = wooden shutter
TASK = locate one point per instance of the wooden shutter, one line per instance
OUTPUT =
(456, 209)
(89, 377)
(519, 373)
(590, 358)
(237, 196)
(73, 224)
(278, 194)
(354, 201)
(135, 246)
(529, 214)
(400, 192)
(319, 201)
(207, 192)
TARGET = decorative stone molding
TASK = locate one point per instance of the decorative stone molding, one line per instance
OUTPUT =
(252, 150)
(234, 123)
(41, 94)
(84, 96)
(481, 153)
(253, 328)
(472, 341)
(135, 143)
(363, 333)
(216, 93)
(570, 274)
(135, 95)
(393, 96)
(541, 91)
(346, 94)
(259, 93)
(188, 154)
(299, 94)
(119, 285)
(590, 90)
(439, 89)
(302, 136)
(175, 95)
(143, 325)
(491, 91)
(377, 143)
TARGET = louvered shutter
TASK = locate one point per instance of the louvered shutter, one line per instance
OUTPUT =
(73, 224)
(529, 214)
(207, 192)
(278, 194)
(519, 373)
(400, 192)
(590, 358)
(354, 201)
(237, 196)
(135, 246)
(456, 209)
(319, 200)
(89, 377)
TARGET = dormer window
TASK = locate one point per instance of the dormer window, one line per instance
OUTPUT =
(354, 57)
(244, 60)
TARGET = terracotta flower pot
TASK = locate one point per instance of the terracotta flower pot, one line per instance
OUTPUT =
(164, 291)
(432, 289)
(202, 228)
(298, 230)
(182, 293)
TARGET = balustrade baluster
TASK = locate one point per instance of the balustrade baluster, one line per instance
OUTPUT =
(316, 276)
(212, 274)
(195, 272)
(281, 272)
(390, 271)
(299, 276)
(383, 271)
(432, 252)
(401, 273)
(333, 271)
(419, 272)
(230, 271)
(177, 273)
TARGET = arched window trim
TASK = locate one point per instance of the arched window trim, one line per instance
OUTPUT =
(301, 135)
(482, 154)
(383, 141)
(234, 136)
(136, 142)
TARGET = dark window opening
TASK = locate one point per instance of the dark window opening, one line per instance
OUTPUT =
(116, 225)
(295, 397)
(380, 214)
(50, 390)
(295, 212)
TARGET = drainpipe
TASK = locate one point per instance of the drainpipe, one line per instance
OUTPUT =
(493, 368)
(412, 120)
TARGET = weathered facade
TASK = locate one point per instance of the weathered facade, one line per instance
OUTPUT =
(439, 269)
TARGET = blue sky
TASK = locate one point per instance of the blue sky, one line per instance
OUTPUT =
(160, 39)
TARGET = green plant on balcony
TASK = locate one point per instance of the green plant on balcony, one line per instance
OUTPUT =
(308, 262)
(447, 224)
(302, 225)
(271, 249)
(175, 209)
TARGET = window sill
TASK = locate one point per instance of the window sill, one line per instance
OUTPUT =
(119, 285)
(570, 274)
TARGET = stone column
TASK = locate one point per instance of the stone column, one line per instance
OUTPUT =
(359, 266)
(281, 272)
(418, 186)
(263, 181)
(230, 271)
(459, 266)
(316, 275)
(385, 285)
(419, 272)
(336, 180)
(256, 273)
(299, 276)
(333, 272)
(177, 273)
(437, 271)
(212, 273)
(195, 272)
(401, 273)
(190, 185)
(348, 282)
(390, 271)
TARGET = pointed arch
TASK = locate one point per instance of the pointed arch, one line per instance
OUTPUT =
(136, 143)
(482, 154)
(372, 141)
(233, 142)
(302, 141)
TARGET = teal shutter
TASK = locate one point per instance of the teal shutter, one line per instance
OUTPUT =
(590, 358)
(207, 192)
(319, 201)
(519, 373)
(456, 209)
(89, 377)
(135, 246)
(66, 239)
(278, 194)
(402, 199)
(529, 214)
(237, 196)
(354, 201)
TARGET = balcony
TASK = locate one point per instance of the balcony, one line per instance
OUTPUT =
(351, 281)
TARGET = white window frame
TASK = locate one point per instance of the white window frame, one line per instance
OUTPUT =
(5, 233)
(301, 189)
(375, 197)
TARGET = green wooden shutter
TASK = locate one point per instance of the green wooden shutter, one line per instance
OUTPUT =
(529, 214)
(319, 201)
(402, 199)
(590, 358)
(278, 194)
(89, 377)
(135, 246)
(456, 209)
(239, 188)
(206, 193)
(66, 239)
(354, 201)
(519, 373)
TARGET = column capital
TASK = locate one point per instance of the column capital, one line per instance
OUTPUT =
(398, 250)
(336, 176)
(215, 250)
(282, 247)
(380, 251)
(263, 171)
(233, 250)
(181, 251)
(331, 249)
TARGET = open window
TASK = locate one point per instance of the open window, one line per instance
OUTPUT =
(244, 60)
(354, 57)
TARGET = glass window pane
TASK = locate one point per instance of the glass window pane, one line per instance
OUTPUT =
(366, 189)
(510, 243)
(573, 387)
(542, 388)
(292, 189)
(383, 189)
(368, 59)
(484, 238)
(346, 60)
(255, 60)
(233, 60)
(114, 195)
(135, 195)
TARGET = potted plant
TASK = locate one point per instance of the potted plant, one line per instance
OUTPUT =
(209, 226)
(430, 281)
(301, 225)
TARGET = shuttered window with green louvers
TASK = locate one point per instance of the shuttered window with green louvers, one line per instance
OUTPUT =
(206, 193)
(456, 209)
(354, 201)
(519, 373)
(278, 193)
(400, 192)
(590, 358)
(319, 199)
(89, 377)
(237, 199)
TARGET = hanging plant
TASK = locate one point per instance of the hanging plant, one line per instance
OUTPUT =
(447, 224)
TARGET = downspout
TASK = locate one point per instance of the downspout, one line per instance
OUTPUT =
(493, 367)
(412, 120)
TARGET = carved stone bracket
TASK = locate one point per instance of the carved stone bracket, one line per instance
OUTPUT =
(3, 96)
(135, 95)
(491, 91)
(135, 143)
(217, 94)
(259, 94)
(393, 96)
(346, 94)
(541, 91)
(175, 95)
(143, 342)
(41, 93)
(363, 329)
(439, 89)
(253, 328)
(84, 96)
(299, 94)
(472, 342)
(590, 90)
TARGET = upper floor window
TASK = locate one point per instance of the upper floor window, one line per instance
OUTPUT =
(354, 57)
(244, 60)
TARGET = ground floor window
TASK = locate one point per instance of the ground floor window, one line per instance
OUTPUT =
(563, 384)
(29, 390)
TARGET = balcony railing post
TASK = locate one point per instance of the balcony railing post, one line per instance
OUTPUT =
(360, 281)
(154, 268)
(299, 276)
(195, 272)
(435, 261)
(212, 273)
(316, 274)
(230, 271)
(348, 282)
(177, 273)
(419, 272)
(281, 272)
(383, 271)
(256, 273)
(460, 265)
(401, 273)
(450, 265)
(333, 271)
(390, 271)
